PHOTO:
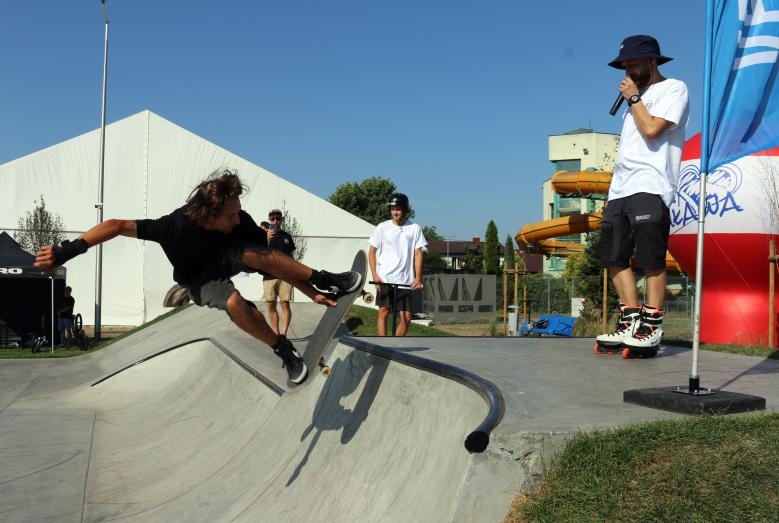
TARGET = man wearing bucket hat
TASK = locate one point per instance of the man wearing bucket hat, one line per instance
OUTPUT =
(642, 188)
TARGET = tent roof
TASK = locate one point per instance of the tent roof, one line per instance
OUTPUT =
(15, 262)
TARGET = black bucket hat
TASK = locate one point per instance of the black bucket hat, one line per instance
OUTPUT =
(637, 47)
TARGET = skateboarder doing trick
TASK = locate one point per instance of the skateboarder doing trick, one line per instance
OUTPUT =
(209, 240)
(641, 191)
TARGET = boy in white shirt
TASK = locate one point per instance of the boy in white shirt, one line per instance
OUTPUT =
(642, 189)
(395, 256)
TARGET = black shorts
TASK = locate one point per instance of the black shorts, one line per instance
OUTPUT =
(385, 298)
(641, 223)
(213, 286)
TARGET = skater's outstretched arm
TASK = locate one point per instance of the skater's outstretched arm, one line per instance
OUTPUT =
(50, 257)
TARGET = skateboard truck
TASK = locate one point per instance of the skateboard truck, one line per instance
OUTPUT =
(395, 287)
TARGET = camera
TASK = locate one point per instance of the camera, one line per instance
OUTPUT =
(273, 226)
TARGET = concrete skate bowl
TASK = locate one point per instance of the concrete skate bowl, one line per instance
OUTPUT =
(190, 435)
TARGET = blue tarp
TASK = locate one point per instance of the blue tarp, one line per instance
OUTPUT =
(555, 326)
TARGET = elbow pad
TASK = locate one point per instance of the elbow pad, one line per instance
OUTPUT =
(69, 249)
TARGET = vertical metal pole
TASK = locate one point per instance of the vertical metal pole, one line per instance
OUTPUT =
(524, 296)
(694, 384)
(51, 279)
(771, 305)
(605, 297)
(516, 285)
(99, 204)
(505, 302)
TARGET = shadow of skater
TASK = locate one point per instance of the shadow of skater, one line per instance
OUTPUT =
(329, 414)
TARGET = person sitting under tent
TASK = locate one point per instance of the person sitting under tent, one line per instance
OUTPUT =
(208, 241)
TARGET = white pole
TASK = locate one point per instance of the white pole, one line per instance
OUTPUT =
(99, 205)
(694, 385)
(51, 279)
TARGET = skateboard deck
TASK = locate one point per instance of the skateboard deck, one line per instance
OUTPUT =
(328, 325)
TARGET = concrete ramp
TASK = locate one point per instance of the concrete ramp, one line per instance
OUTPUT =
(190, 435)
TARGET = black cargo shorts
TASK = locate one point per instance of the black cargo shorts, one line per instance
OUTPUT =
(640, 224)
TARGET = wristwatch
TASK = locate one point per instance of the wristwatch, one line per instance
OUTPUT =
(633, 100)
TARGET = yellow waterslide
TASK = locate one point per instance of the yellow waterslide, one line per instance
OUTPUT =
(540, 237)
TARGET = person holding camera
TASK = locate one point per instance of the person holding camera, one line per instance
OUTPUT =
(65, 317)
(275, 289)
(395, 256)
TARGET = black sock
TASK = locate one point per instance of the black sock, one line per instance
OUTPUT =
(316, 277)
(279, 342)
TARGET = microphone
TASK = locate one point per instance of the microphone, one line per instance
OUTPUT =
(617, 104)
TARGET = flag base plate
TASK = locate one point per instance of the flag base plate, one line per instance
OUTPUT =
(700, 401)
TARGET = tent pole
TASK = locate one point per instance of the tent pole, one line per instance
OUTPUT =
(99, 205)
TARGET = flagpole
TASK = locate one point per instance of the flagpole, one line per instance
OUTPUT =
(694, 386)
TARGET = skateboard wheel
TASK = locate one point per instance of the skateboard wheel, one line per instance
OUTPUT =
(367, 297)
(626, 353)
(595, 348)
(324, 369)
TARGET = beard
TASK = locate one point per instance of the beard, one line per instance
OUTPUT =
(641, 78)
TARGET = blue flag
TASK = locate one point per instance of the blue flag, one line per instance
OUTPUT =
(744, 105)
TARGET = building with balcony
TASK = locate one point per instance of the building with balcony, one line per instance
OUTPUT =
(577, 150)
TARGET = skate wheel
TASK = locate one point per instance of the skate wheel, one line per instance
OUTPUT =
(625, 353)
(595, 348)
(324, 369)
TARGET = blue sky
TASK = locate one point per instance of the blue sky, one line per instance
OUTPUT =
(451, 100)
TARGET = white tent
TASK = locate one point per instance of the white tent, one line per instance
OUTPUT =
(151, 166)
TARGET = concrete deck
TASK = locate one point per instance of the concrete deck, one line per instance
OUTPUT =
(190, 435)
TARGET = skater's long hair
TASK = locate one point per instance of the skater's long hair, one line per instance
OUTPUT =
(208, 199)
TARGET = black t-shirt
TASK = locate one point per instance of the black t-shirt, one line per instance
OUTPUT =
(190, 247)
(283, 242)
(70, 303)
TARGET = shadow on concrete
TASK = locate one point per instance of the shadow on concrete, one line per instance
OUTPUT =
(767, 366)
(329, 414)
(353, 323)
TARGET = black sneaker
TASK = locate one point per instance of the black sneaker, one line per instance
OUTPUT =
(342, 282)
(296, 367)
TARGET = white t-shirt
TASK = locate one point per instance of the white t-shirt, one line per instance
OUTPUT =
(395, 250)
(652, 166)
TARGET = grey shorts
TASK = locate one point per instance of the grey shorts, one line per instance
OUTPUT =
(641, 223)
(213, 286)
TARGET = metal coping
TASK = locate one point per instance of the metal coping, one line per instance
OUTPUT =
(479, 438)
(245, 366)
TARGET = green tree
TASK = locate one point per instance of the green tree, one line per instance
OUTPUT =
(473, 260)
(584, 278)
(367, 199)
(491, 249)
(39, 227)
(508, 265)
(294, 229)
(432, 261)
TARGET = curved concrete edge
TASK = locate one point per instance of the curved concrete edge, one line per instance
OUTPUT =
(245, 366)
(479, 438)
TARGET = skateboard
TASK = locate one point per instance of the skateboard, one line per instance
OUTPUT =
(328, 325)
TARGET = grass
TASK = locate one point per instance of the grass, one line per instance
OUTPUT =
(25, 352)
(361, 321)
(708, 469)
